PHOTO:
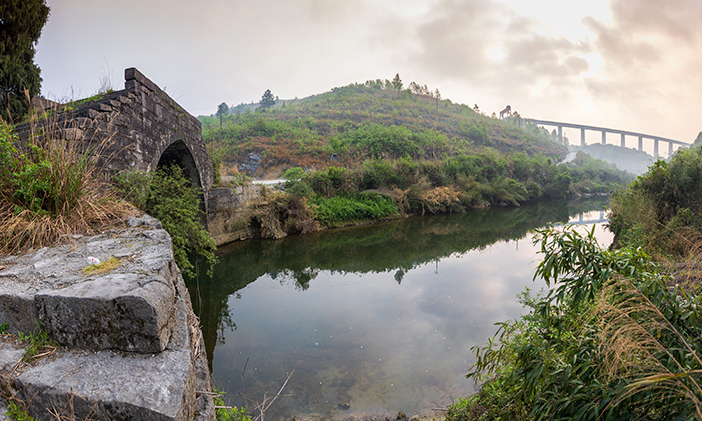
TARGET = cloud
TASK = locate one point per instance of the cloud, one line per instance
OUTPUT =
(483, 44)
(651, 58)
(677, 20)
(456, 38)
(541, 57)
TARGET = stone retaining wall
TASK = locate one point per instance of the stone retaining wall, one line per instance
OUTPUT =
(131, 346)
(225, 212)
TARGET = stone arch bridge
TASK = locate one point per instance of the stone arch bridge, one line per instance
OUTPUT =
(142, 128)
(139, 127)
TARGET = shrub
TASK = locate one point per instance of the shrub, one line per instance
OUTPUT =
(276, 214)
(608, 340)
(442, 200)
(168, 195)
(333, 181)
(661, 205)
(216, 156)
(51, 188)
(228, 413)
(366, 205)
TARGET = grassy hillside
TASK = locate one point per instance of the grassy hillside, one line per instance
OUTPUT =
(365, 121)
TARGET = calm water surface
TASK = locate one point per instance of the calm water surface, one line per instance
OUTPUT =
(380, 318)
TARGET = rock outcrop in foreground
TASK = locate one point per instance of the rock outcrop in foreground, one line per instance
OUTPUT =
(130, 346)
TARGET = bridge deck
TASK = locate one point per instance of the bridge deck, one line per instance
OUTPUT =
(605, 129)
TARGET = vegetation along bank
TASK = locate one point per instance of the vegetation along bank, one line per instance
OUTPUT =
(375, 151)
(619, 334)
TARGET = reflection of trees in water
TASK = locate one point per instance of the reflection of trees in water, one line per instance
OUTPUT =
(397, 246)
(301, 277)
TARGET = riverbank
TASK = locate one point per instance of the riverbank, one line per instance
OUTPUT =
(237, 213)
(400, 416)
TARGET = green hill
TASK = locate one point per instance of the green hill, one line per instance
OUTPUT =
(364, 121)
(371, 151)
(627, 159)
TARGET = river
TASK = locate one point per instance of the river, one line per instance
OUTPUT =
(372, 319)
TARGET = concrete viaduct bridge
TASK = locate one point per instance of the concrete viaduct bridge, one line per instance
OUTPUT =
(623, 133)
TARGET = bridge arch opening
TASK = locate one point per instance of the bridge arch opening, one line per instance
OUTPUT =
(179, 154)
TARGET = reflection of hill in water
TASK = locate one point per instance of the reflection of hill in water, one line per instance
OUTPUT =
(398, 245)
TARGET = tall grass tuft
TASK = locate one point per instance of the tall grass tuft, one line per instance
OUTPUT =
(51, 187)
(642, 340)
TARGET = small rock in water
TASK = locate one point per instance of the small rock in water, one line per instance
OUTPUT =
(344, 405)
(401, 416)
(93, 260)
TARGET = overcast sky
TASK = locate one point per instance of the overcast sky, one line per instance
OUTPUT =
(626, 64)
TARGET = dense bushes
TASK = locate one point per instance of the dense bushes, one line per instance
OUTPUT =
(608, 341)
(365, 205)
(168, 195)
(662, 209)
(444, 186)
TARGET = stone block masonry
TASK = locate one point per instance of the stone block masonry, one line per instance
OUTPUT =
(131, 347)
(142, 128)
(226, 209)
(139, 127)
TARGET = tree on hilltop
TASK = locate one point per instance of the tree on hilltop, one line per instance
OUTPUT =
(222, 109)
(21, 22)
(397, 83)
(267, 100)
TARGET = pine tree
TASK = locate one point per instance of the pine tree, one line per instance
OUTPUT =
(222, 109)
(21, 22)
(397, 83)
(267, 100)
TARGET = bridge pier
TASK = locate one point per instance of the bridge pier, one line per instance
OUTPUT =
(655, 148)
(622, 133)
(560, 134)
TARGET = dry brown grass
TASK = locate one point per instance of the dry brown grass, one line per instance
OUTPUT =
(276, 214)
(631, 331)
(29, 230)
(442, 199)
(76, 197)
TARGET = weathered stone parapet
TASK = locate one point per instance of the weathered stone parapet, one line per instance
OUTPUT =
(131, 344)
(131, 308)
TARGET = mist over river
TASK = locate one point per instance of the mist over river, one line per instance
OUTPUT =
(373, 319)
